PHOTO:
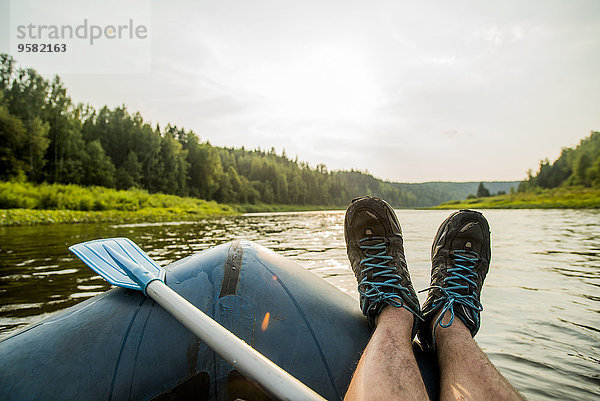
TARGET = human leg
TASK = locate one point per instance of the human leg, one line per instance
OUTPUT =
(387, 369)
(466, 373)
(460, 257)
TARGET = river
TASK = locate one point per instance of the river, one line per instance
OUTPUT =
(540, 325)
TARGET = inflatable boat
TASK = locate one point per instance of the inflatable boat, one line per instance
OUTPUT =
(121, 345)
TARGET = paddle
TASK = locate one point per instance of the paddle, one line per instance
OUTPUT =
(122, 263)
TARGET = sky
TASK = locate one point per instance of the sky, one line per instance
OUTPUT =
(409, 91)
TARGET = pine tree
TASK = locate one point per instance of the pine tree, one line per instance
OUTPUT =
(482, 191)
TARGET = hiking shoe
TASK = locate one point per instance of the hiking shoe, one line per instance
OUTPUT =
(460, 258)
(374, 245)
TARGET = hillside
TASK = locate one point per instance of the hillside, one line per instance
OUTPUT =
(579, 166)
(433, 193)
(572, 181)
(555, 198)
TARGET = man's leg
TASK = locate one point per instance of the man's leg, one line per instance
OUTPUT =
(387, 369)
(465, 371)
(460, 257)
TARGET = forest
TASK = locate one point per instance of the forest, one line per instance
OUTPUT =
(46, 138)
(572, 181)
(579, 166)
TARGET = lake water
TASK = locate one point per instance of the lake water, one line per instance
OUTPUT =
(540, 325)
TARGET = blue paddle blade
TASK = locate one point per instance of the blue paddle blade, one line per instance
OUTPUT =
(107, 257)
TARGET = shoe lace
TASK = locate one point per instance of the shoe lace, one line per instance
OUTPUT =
(388, 279)
(457, 284)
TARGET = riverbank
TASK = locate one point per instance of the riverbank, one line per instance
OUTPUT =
(29, 204)
(23, 217)
(558, 198)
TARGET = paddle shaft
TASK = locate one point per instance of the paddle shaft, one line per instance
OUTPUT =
(244, 358)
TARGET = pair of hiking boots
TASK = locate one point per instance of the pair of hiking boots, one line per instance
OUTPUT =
(460, 257)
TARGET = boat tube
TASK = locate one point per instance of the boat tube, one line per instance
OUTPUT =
(121, 345)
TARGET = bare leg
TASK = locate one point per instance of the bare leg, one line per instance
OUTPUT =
(387, 369)
(465, 371)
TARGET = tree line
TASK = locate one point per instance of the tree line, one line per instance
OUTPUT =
(45, 137)
(579, 166)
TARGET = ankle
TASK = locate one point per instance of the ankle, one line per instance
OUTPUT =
(398, 319)
(456, 330)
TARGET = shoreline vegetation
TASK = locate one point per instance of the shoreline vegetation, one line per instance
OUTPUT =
(554, 198)
(570, 182)
(62, 162)
(46, 138)
(30, 204)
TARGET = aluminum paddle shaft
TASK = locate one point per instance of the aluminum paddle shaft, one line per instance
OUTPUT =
(243, 357)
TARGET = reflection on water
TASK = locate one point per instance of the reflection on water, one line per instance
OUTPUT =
(541, 324)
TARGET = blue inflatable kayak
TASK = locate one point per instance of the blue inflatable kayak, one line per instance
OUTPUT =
(121, 345)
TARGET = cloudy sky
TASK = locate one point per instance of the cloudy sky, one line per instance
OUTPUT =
(410, 91)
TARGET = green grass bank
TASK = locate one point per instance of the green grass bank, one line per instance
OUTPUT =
(29, 204)
(557, 198)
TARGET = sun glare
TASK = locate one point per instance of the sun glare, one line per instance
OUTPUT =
(322, 84)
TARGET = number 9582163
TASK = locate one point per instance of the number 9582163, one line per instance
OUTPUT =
(41, 48)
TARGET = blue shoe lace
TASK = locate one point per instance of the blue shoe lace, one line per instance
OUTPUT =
(378, 292)
(462, 275)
